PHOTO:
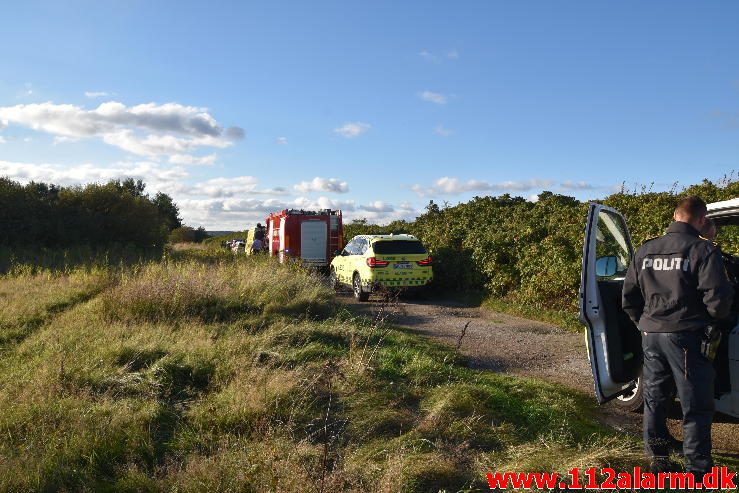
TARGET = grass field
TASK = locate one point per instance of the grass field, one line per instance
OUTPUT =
(204, 372)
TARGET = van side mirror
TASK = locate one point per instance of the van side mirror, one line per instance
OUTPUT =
(606, 266)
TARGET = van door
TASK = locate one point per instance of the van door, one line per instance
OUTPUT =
(614, 342)
(314, 241)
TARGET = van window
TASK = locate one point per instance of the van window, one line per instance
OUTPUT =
(398, 247)
(612, 248)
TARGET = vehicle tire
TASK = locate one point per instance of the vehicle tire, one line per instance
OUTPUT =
(333, 280)
(633, 400)
(359, 293)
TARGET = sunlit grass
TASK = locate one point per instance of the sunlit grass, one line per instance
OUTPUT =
(236, 374)
(28, 299)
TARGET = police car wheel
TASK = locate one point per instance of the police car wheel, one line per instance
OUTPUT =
(632, 400)
(359, 293)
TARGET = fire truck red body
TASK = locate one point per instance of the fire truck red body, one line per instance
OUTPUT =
(311, 237)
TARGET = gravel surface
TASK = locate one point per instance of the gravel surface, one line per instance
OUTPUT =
(504, 343)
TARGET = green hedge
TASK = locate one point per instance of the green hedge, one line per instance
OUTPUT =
(41, 215)
(530, 252)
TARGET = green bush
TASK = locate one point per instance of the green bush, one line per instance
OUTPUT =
(530, 253)
(40, 215)
(186, 234)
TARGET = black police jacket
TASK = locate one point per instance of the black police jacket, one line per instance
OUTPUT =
(677, 282)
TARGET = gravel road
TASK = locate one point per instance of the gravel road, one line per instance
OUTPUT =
(504, 343)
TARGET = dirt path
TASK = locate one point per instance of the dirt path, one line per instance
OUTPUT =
(518, 346)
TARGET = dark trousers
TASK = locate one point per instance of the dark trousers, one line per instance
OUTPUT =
(673, 360)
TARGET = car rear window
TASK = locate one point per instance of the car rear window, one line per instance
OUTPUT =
(398, 247)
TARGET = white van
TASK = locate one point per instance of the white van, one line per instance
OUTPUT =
(614, 342)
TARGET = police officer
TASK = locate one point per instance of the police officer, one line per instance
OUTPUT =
(675, 288)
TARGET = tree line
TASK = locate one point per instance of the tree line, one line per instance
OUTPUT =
(41, 215)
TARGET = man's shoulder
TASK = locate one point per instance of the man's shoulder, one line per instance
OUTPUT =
(704, 245)
(650, 243)
(653, 238)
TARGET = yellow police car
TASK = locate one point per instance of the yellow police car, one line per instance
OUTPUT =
(369, 262)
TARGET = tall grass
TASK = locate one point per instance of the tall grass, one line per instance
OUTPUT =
(29, 299)
(239, 374)
(210, 292)
(41, 259)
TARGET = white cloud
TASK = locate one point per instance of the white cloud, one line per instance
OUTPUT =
(155, 175)
(227, 214)
(352, 129)
(322, 203)
(158, 145)
(434, 58)
(226, 187)
(522, 186)
(452, 186)
(2, 140)
(319, 184)
(281, 140)
(96, 94)
(443, 131)
(237, 213)
(433, 97)
(377, 206)
(190, 159)
(380, 212)
(241, 212)
(428, 56)
(64, 140)
(147, 129)
(576, 185)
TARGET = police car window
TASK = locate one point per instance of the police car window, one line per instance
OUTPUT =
(357, 248)
(363, 247)
(612, 246)
(398, 247)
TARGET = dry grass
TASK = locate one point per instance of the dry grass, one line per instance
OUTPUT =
(219, 375)
(221, 291)
(29, 299)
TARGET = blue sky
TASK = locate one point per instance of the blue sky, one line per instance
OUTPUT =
(239, 108)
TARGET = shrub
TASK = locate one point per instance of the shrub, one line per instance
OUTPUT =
(186, 234)
(529, 253)
(43, 215)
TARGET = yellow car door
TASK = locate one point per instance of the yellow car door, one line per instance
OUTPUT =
(342, 263)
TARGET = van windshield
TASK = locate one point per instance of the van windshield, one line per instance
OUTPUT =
(398, 247)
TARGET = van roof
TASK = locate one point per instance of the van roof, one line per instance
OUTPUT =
(724, 204)
(401, 237)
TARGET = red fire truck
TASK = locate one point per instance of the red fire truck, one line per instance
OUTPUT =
(308, 236)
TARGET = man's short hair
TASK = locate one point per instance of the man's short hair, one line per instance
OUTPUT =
(709, 229)
(691, 208)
